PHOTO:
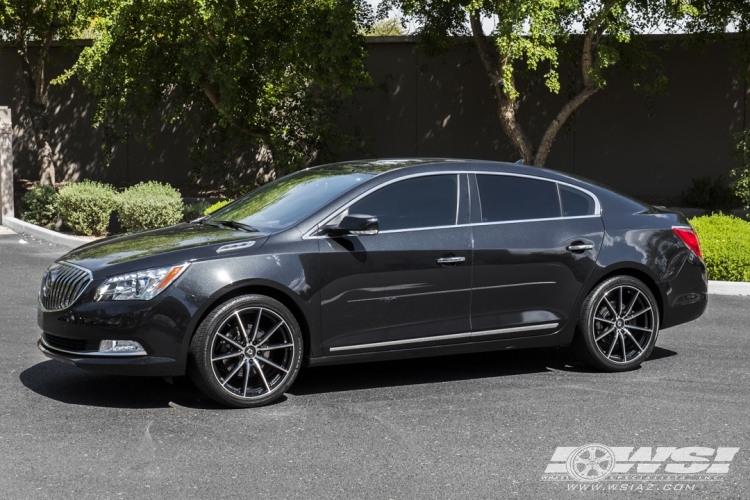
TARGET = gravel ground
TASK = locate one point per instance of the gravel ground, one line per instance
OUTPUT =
(471, 426)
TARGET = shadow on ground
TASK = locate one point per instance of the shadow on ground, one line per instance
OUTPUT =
(71, 385)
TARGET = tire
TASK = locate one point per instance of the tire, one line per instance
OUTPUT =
(618, 325)
(241, 362)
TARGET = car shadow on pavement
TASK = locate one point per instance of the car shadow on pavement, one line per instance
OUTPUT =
(71, 385)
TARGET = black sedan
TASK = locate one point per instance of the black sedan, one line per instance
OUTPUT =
(373, 260)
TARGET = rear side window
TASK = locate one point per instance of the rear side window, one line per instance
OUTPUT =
(413, 203)
(576, 203)
(505, 198)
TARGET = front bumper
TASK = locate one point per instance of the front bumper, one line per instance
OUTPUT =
(148, 366)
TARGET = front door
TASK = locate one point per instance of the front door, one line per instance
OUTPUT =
(410, 284)
(534, 247)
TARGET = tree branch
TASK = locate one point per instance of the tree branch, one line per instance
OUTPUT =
(506, 105)
(213, 96)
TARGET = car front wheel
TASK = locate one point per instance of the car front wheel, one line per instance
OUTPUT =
(247, 352)
(618, 325)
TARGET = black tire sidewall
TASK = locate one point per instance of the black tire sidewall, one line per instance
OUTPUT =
(585, 335)
(201, 367)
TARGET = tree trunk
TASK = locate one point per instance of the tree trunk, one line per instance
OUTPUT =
(37, 101)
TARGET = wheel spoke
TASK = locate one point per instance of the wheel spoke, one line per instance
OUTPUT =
(227, 356)
(624, 352)
(632, 339)
(262, 375)
(596, 318)
(611, 307)
(275, 346)
(235, 344)
(638, 328)
(606, 332)
(633, 316)
(247, 377)
(632, 303)
(621, 303)
(257, 324)
(233, 373)
(242, 327)
(270, 332)
(269, 362)
(613, 344)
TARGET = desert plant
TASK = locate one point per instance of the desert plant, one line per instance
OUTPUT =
(725, 242)
(149, 205)
(219, 204)
(709, 194)
(86, 206)
(39, 206)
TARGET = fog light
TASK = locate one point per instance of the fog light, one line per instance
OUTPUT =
(121, 347)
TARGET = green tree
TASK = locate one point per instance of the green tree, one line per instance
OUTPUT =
(40, 22)
(266, 73)
(536, 35)
(387, 27)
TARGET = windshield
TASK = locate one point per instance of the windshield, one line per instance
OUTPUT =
(286, 201)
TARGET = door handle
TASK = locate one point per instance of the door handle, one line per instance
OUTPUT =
(451, 260)
(580, 247)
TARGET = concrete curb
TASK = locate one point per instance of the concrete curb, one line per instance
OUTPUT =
(43, 234)
(728, 288)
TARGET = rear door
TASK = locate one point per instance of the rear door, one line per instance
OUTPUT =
(535, 243)
(409, 285)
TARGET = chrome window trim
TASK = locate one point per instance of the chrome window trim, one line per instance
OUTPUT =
(91, 280)
(92, 353)
(310, 235)
(452, 336)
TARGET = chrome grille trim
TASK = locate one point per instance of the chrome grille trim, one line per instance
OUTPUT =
(64, 287)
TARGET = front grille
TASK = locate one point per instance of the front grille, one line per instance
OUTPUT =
(72, 345)
(62, 285)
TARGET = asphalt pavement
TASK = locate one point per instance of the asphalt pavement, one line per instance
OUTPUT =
(470, 426)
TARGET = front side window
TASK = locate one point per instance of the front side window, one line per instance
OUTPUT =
(508, 198)
(413, 203)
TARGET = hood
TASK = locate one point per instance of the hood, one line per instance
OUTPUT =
(156, 247)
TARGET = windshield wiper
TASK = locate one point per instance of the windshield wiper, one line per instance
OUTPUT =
(233, 224)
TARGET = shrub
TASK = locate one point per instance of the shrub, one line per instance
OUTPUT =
(725, 242)
(213, 208)
(741, 184)
(712, 195)
(86, 206)
(39, 206)
(194, 210)
(149, 205)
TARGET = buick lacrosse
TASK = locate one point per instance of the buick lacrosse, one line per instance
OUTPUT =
(374, 260)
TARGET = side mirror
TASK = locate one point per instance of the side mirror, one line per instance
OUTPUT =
(359, 225)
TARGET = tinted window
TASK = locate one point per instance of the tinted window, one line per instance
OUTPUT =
(517, 198)
(412, 203)
(575, 202)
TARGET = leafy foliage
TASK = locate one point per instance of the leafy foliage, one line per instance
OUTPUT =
(263, 76)
(39, 206)
(709, 194)
(387, 27)
(86, 206)
(741, 184)
(219, 204)
(149, 205)
(192, 211)
(725, 242)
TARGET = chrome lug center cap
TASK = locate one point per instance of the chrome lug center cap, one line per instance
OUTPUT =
(250, 351)
(619, 323)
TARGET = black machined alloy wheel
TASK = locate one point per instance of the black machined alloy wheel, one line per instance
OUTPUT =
(247, 352)
(618, 325)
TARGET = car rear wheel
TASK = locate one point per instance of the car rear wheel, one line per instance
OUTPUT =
(618, 325)
(247, 352)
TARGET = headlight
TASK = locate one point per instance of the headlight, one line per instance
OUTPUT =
(140, 285)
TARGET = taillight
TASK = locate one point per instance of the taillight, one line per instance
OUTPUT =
(688, 236)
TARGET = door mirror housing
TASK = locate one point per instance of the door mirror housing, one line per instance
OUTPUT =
(357, 225)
